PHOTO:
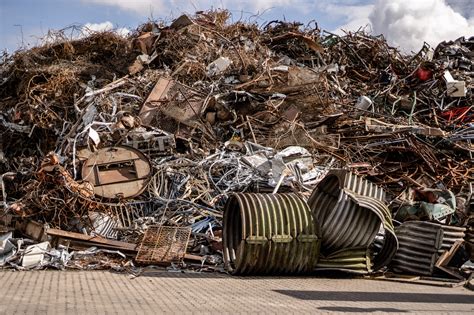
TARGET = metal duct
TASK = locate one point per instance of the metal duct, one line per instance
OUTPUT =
(269, 234)
(421, 243)
(351, 211)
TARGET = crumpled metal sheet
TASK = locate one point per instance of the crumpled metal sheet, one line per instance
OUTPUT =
(104, 225)
(443, 204)
(351, 211)
(421, 244)
(34, 255)
(7, 249)
(269, 234)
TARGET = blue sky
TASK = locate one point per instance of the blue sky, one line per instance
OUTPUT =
(35, 17)
(25, 21)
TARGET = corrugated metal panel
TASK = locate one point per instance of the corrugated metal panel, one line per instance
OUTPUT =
(451, 235)
(351, 211)
(269, 234)
(421, 243)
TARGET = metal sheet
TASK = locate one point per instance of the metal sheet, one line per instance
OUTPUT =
(174, 100)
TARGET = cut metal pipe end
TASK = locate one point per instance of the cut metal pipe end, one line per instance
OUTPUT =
(269, 234)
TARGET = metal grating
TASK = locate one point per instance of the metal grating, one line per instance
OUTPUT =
(163, 244)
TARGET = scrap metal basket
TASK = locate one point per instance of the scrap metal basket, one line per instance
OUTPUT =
(163, 244)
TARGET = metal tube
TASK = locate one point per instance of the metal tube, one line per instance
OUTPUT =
(272, 234)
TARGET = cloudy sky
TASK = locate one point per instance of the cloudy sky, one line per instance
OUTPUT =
(405, 23)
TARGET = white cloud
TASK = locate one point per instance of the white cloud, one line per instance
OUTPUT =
(268, 4)
(89, 28)
(353, 16)
(408, 23)
(465, 7)
(144, 7)
(405, 23)
(164, 7)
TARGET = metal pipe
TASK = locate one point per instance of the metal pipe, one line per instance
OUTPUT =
(269, 234)
(351, 211)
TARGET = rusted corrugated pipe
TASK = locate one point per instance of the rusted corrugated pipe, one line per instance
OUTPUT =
(390, 246)
(269, 234)
(354, 260)
(351, 211)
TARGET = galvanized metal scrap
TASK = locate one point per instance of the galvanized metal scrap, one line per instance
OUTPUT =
(269, 234)
(351, 211)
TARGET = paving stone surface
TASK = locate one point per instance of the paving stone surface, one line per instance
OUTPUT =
(103, 292)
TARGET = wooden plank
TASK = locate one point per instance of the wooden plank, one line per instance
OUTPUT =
(96, 240)
(446, 257)
(417, 281)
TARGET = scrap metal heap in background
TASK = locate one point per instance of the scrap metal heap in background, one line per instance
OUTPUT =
(205, 145)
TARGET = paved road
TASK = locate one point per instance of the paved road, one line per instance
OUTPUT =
(99, 292)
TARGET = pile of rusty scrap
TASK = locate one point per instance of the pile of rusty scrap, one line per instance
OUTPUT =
(211, 145)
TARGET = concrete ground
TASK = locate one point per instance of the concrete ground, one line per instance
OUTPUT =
(103, 292)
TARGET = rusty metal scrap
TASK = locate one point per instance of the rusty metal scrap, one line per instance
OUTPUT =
(121, 172)
(163, 244)
(178, 124)
(176, 102)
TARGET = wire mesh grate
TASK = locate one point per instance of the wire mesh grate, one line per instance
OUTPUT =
(163, 244)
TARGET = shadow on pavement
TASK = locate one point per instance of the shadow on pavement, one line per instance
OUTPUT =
(183, 275)
(360, 309)
(379, 296)
(163, 273)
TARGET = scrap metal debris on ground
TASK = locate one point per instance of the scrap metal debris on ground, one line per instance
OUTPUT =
(209, 130)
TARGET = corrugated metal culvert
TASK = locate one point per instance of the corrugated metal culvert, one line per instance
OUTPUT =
(351, 211)
(356, 260)
(269, 234)
(421, 244)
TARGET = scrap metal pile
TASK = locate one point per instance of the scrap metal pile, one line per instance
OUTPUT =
(205, 144)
